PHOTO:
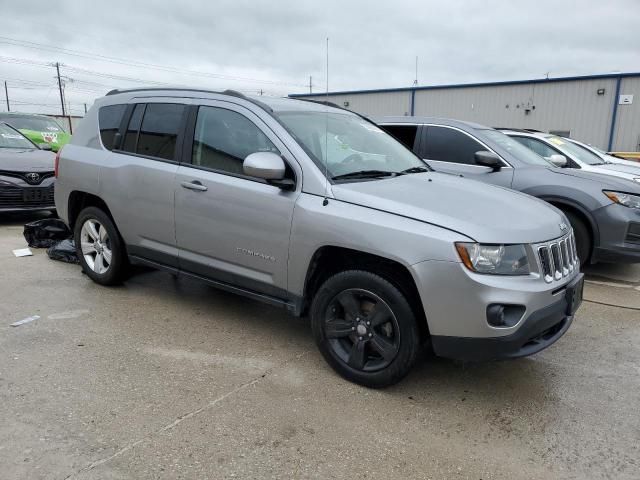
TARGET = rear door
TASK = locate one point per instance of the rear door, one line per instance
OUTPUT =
(138, 178)
(231, 227)
(451, 150)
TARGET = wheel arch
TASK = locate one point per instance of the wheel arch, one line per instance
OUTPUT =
(582, 214)
(79, 200)
(329, 260)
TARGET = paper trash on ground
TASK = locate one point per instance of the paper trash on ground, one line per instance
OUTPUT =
(25, 320)
(23, 252)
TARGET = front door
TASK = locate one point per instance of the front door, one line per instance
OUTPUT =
(231, 227)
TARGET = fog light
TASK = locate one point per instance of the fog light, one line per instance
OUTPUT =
(499, 315)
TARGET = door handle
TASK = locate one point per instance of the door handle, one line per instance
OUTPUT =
(195, 185)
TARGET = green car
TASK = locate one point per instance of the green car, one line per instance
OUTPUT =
(38, 128)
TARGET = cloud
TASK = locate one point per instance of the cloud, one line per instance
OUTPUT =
(281, 44)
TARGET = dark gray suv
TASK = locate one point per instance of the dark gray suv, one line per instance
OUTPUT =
(604, 211)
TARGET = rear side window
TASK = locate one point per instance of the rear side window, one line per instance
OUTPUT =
(156, 135)
(224, 138)
(131, 135)
(449, 145)
(109, 120)
(405, 134)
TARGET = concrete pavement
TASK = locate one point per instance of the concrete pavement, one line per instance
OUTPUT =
(171, 379)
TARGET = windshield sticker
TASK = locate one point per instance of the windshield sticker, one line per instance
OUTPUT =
(49, 137)
(11, 135)
(556, 141)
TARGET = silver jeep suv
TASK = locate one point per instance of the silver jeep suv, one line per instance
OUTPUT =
(317, 210)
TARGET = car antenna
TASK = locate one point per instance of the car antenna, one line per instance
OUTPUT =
(325, 202)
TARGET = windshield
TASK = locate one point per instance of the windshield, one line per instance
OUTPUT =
(516, 149)
(575, 151)
(39, 124)
(349, 143)
(9, 138)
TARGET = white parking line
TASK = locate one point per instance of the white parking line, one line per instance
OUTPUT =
(611, 284)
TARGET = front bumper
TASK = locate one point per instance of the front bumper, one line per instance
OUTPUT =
(540, 330)
(616, 244)
(456, 302)
(18, 196)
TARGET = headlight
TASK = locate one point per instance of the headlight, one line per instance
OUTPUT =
(626, 199)
(495, 259)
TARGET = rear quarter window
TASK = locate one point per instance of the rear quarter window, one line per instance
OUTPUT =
(109, 120)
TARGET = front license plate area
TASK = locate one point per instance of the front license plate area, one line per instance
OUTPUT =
(574, 296)
(35, 194)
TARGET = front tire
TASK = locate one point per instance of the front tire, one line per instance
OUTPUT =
(582, 236)
(99, 247)
(365, 328)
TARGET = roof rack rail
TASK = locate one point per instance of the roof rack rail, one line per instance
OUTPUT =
(231, 93)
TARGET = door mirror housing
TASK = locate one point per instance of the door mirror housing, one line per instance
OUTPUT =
(45, 146)
(488, 159)
(270, 167)
(558, 160)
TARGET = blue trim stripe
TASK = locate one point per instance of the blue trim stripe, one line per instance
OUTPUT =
(469, 85)
(612, 129)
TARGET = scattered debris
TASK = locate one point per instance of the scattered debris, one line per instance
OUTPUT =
(44, 233)
(25, 320)
(67, 315)
(23, 252)
(64, 250)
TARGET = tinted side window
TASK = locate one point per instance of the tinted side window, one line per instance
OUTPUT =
(449, 145)
(131, 136)
(537, 146)
(159, 130)
(109, 119)
(223, 139)
(405, 134)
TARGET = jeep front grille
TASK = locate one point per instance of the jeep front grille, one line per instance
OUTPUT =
(558, 258)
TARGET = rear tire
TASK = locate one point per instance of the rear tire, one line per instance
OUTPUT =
(99, 247)
(365, 328)
(582, 236)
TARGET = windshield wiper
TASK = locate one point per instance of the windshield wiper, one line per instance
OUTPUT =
(416, 170)
(366, 174)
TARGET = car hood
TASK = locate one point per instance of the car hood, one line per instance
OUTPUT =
(26, 160)
(482, 212)
(617, 167)
(601, 179)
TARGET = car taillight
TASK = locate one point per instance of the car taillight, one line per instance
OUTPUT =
(56, 163)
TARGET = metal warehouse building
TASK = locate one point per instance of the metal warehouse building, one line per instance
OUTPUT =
(603, 110)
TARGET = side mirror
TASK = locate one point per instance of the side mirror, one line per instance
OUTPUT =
(44, 146)
(558, 160)
(270, 167)
(488, 159)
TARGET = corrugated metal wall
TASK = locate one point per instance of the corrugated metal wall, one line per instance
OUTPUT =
(387, 103)
(572, 106)
(626, 135)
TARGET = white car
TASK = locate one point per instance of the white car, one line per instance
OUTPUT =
(567, 154)
(605, 156)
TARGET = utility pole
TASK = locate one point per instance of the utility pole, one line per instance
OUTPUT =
(64, 112)
(6, 94)
(415, 82)
(310, 84)
(85, 108)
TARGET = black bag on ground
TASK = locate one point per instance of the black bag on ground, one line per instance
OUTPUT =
(44, 233)
(65, 251)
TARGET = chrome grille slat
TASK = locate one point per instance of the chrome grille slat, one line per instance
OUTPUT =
(558, 258)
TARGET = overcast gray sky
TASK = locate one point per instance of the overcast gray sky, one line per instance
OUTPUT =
(275, 46)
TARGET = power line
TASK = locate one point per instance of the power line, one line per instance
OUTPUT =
(104, 58)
